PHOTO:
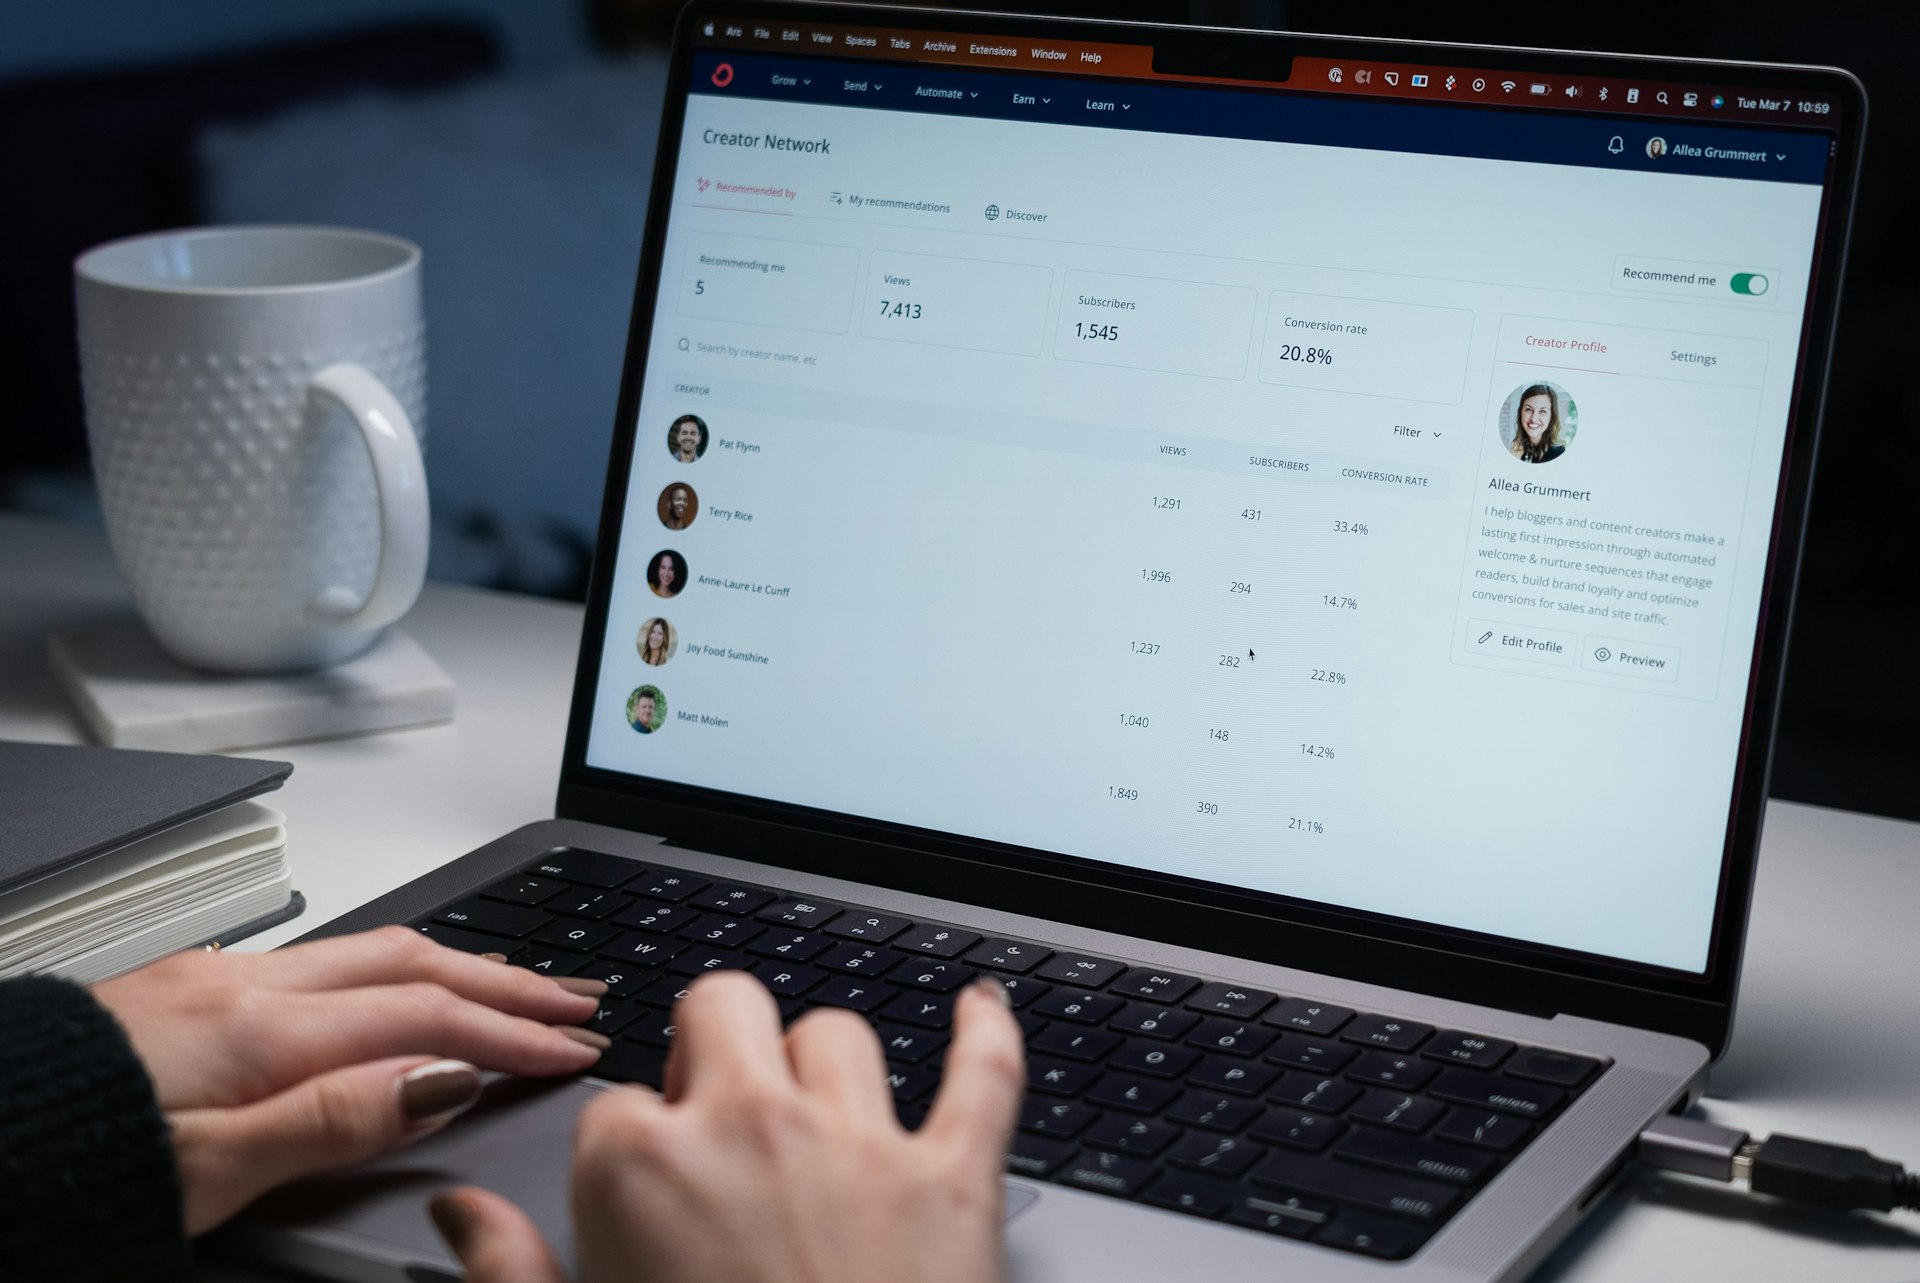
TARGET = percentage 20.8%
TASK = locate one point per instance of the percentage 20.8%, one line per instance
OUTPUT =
(1306, 355)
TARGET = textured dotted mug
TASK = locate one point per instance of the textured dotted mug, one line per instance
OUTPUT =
(255, 400)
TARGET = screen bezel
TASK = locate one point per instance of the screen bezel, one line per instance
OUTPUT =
(1443, 961)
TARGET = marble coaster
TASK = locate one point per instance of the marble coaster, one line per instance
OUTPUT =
(130, 694)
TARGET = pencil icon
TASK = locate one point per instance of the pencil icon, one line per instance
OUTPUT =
(1483, 637)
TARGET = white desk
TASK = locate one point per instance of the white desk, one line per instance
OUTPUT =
(1827, 1043)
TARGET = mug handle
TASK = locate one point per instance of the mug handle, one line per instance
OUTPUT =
(400, 479)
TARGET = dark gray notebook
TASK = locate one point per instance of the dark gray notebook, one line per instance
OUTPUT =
(62, 805)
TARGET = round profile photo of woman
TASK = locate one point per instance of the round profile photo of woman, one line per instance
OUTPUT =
(678, 506)
(1537, 422)
(687, 438)
(667, 573)
(647, 710)
(657, 641)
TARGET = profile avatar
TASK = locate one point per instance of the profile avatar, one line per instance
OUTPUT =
(678, 506)
(1656, 147)
(667, 573)
(687, 438)
(646, 710)
(657, 642)
(1537, 422)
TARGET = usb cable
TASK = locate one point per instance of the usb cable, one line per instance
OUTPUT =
(1788, 1167)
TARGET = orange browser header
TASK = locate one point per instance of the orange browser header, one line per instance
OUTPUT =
(1013, 53)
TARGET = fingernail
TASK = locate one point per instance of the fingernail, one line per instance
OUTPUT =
(994, 987)
(453, 1216)
(438, 1090)
(585, 1037)
(581, 985)
(494, 957)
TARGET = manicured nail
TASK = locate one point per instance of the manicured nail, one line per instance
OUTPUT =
(586, 1037)
(581, 985)
(994, 987)
(494, 957)
(453, 1216)
(437, 1091)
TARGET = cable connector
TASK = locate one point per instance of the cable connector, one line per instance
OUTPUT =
(1811, 1172)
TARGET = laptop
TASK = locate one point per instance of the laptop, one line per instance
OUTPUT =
(1277, 547)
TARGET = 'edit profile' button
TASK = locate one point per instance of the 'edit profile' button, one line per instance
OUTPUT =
(1630, 659)
(1511, 641)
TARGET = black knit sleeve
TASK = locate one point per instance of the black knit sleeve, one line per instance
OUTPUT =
(87, 1183)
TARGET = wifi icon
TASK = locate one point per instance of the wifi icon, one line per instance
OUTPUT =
(1506, 86)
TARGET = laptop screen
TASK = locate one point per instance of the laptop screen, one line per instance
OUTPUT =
(1355, 492)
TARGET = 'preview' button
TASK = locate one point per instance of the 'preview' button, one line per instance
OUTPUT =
(1630, 659)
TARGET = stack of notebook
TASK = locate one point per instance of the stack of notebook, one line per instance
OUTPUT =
(111, 858)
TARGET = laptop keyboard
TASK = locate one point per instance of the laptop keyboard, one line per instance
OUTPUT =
(1279, 1113)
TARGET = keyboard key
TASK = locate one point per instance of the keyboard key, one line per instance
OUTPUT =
(642, 948)
(1150, 1020)
(550, 962)
(1457, 1048)
(1219, 1073)
(1058, 1077)
(1231, 1000)
(937, 941)
(1309, 1016)
(592, 905)
(1155, 1059)
(632, 1062)
(1078, 1006)
(1313, 1054)
(621, 980)
(665, 886)
(1317, 1176)
(907, 1045)
(665, 990)
(655, 1028)
(1109, 1173)
(789, 946)
(1132, 1094)
(1291, 1217)
(929, 1011)
(514, 921)
(1388, 1032)
(1142, 1136)
(572, 933)
(726, 897)
(1298, 1129)
(1415, 1156)
(1063, 1118)
(471, 941)
(1324, 1095)
(521, 889)
(856, 993)
(1037, 1155)
(718, 928)
(1078, 969)
(1231, 1038)
(1554, 1067)
(1186, 1192)
(914, 1113)
(703, 958)
(1496, 1092)
(1397, 1110)
(786, 980)
(1213, 1111)
(806, 915)
(588, 868)
(933, 977)
(1023, 990)
(1497, 1132)
(1075, 1043)
(1150, 985)
(1389, 1070)
(858, 959)
(661, 919)
(1221, 1155)
(1372, 1236)
(873, 928)
(1008, 955)
(909, 1083)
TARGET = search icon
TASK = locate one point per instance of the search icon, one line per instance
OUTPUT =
(1661, 97)
(684, 345)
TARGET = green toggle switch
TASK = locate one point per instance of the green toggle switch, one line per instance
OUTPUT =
(1749, 283)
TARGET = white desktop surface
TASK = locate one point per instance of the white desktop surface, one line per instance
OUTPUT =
(1826, 1043)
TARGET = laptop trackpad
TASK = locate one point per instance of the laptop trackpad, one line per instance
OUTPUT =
(517, 1142)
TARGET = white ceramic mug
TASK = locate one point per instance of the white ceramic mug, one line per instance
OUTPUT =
(254, 409)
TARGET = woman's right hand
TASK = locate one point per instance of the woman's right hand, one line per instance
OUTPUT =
(777, 1159)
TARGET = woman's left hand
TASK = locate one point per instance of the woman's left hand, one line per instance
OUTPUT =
(274, 1066)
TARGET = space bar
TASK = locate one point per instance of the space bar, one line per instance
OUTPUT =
(1325, 1178)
